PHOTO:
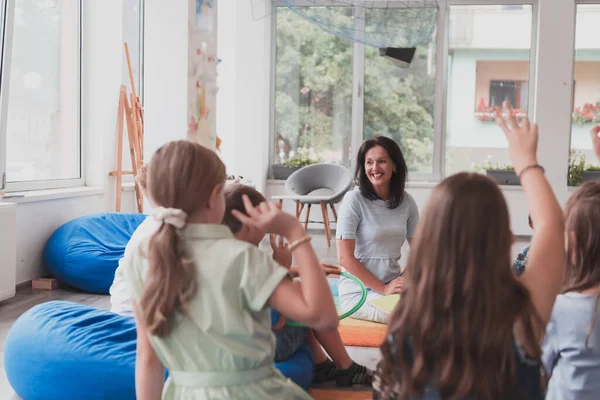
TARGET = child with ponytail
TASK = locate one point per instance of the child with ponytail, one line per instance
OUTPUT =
(201, 297)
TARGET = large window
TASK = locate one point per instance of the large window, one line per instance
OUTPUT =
(488, 63)
(586, 94)
(43, 134)
(313, 89)
(320, 80)
(399, 99)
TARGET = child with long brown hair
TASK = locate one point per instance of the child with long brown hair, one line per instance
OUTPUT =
(465, 327)
(200, 296)
(571, 349)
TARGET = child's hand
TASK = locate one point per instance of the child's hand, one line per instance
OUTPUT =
(522, 139)
(269, 217)
(281, 254)
(331, 269)
(596, 140)
(394, 286)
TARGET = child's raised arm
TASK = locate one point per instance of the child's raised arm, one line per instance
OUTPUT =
(545, 266)
(310, 303)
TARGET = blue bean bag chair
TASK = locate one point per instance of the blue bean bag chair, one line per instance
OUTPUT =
(69, 351)
(85, 252)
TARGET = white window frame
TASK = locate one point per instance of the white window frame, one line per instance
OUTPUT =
(46, 183)
(441, 76)
(4, 84)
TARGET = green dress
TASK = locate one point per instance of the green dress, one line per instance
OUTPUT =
(224, 347)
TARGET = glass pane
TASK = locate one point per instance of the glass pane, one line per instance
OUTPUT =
(313, 89)
(487, 64)
(43, 135)
(586, 93)
(400, 97)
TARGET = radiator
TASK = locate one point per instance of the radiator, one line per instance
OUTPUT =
(8, 249)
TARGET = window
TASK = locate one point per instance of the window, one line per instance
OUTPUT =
(313, 89)
(515, 92)
(586, 94)
(3, 100)
(487, 64)
(399, 99)
(43, 133)
(320, 79)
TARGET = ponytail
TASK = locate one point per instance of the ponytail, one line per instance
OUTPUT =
(181, 178)
(171, 281)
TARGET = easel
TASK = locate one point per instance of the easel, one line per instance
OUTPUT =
(133, 115)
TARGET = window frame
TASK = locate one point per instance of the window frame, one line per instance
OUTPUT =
(441, 75)
(45, 184)
(4, 83)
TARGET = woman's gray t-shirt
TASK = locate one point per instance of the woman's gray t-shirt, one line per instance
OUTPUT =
(574, 368)
(379, 233)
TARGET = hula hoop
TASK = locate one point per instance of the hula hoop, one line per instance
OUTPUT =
(359, 304)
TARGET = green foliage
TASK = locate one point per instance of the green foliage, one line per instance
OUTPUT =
(313, 106)
(576, 168)
(303, 158)
(489, 166)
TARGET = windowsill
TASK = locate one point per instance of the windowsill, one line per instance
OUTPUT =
(409, 185)
(51, 194)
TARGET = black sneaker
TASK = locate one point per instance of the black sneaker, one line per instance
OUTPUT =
(325, 372)
(356, 374)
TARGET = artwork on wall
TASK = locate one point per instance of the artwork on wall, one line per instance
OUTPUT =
(202, 74)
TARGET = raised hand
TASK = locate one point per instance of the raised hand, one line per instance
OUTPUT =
(281, 254)
(268, 216)
(522, 139)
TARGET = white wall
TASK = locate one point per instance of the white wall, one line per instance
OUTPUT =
(165, 72)
(243, 116)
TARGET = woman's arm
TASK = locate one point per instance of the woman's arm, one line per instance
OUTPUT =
(149, 372)
(345, 251)
(545, 266)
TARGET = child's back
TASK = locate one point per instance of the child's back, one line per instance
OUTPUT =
(575, 367)
(571, 351)
(224, 347)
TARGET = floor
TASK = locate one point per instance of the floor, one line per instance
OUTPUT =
(26, 298)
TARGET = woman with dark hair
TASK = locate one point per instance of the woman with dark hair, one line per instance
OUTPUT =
(373, 222)
(466, 327)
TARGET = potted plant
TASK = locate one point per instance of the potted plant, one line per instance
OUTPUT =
(587, 114)
(302, 158)
(502, 174)
(576, 168)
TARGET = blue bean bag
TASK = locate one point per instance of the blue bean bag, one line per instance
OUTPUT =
(85, 252)
(69, 351)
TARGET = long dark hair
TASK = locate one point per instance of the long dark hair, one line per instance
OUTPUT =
(454, 325)
(582, 215)
(181, 175)
(398, 180)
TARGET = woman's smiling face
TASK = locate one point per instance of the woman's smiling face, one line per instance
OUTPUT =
(378, 166)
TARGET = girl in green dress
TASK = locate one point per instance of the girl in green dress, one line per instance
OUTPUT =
(201, 297)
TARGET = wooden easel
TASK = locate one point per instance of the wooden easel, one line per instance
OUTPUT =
(133, 115)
